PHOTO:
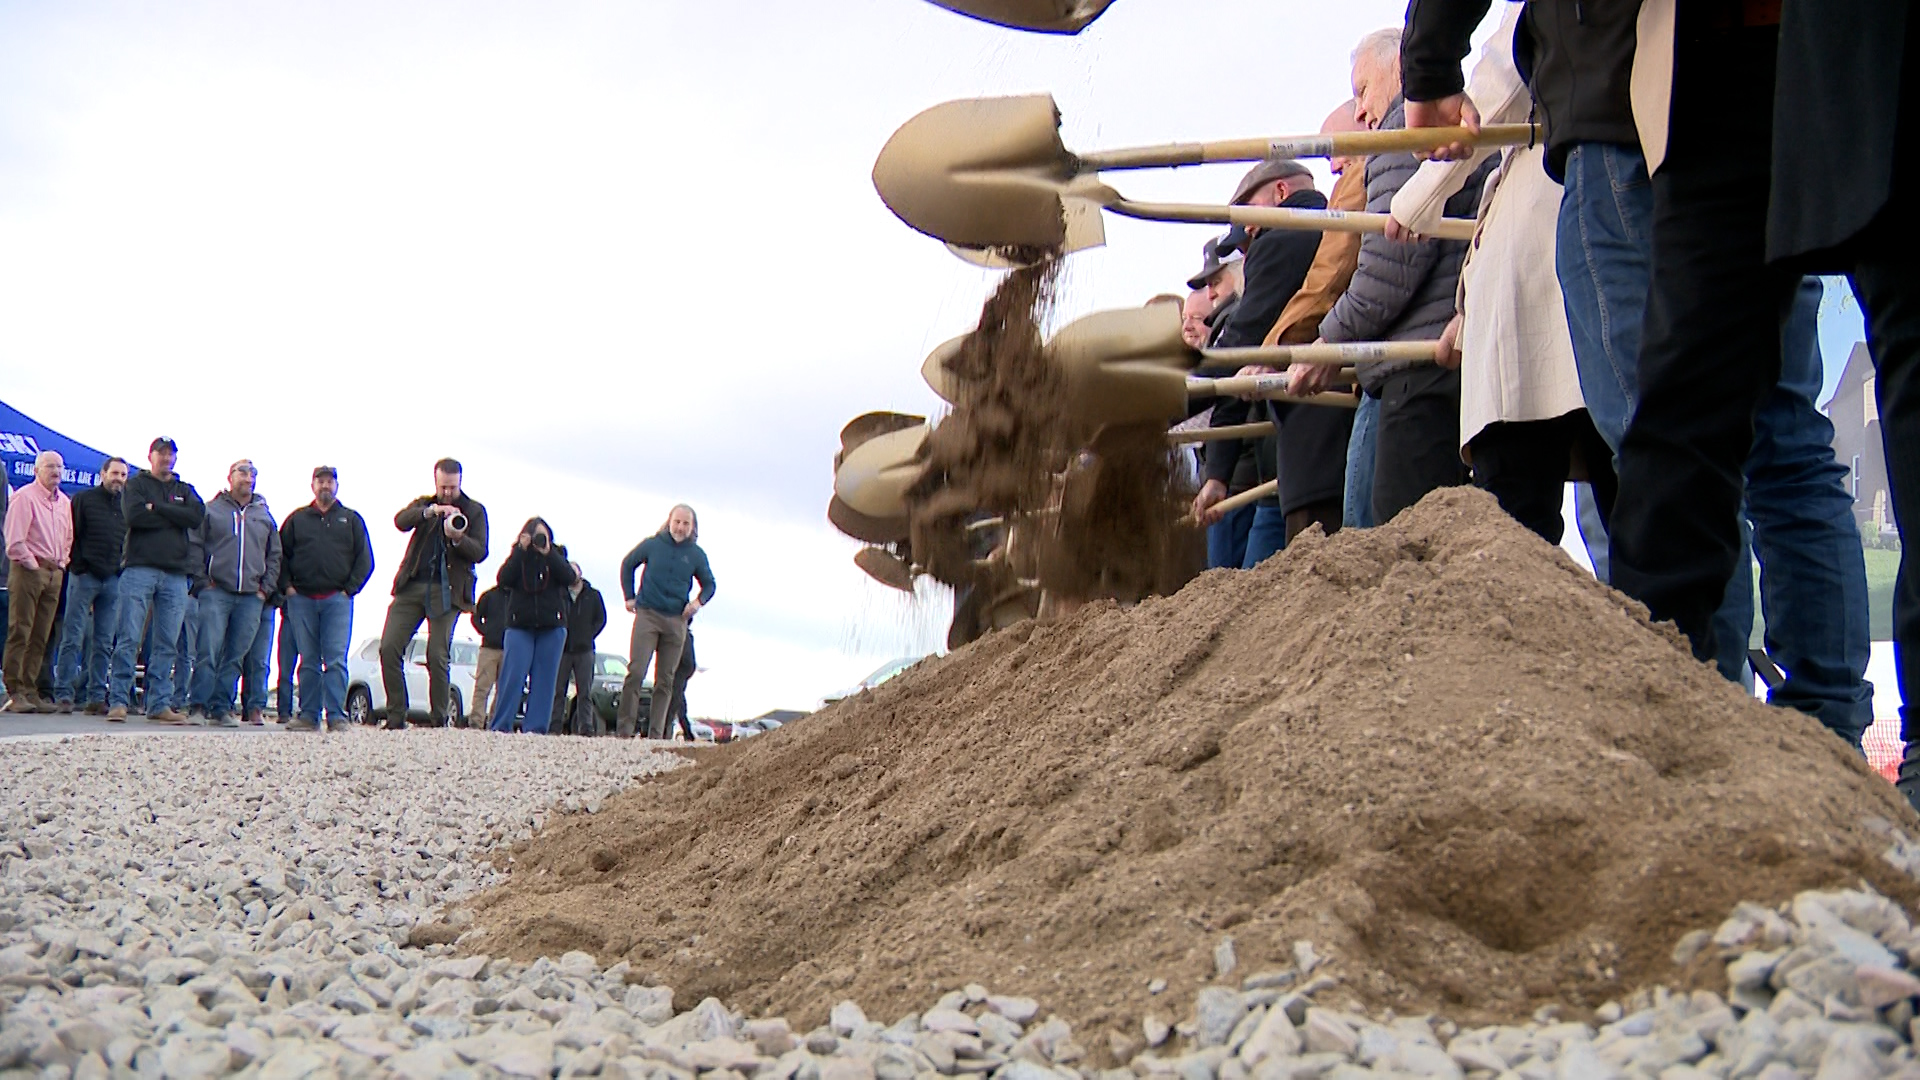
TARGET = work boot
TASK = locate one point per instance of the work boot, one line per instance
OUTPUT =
(117, 714)
(396, 720)
(96, 708)
(253, 717)
(301, 723)
(224, 720)
(1909, 779)
(169, 715)
(43, 706)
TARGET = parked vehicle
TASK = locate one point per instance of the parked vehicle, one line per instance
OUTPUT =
(880, 674)
(367, 693)
(609, 675)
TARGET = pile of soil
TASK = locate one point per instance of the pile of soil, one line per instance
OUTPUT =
(1474, 777)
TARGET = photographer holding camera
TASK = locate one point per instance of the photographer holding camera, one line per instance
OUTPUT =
(536, 577)
(436, 583)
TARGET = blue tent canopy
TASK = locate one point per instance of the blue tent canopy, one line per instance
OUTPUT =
(21, 440)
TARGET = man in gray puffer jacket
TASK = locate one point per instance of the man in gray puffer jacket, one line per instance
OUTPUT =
(242, 545)
(1403, 291)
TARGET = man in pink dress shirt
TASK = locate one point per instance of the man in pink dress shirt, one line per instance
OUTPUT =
(39, 539)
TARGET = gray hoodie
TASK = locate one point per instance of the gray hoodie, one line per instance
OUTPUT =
(242, 545)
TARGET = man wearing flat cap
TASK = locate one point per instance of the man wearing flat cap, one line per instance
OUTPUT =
(1308, 452)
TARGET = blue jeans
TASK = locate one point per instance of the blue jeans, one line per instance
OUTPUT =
(259, 664)
(229, 621)
(1227, 538)
(86, 640)
(1268, 535)
(321, 629)
(144, 589)
(1356, 508)
(1813, 574)
(1813, 578)
(525, 653)
(287, 656)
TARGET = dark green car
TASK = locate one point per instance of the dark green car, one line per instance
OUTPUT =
(609, 675)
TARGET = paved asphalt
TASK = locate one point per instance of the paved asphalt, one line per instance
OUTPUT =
(30, 725)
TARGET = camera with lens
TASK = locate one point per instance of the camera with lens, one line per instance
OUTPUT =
(457, 521)
(541, 543)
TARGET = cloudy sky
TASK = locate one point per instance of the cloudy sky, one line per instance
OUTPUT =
(612, 256)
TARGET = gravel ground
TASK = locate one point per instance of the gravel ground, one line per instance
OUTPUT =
(202, 906)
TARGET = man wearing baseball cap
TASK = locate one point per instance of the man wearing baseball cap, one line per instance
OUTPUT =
(161, 511)
(326, 559)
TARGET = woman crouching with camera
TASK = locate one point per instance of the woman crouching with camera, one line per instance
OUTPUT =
(536, 577)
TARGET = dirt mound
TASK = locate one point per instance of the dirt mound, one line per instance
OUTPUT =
(1438, 750)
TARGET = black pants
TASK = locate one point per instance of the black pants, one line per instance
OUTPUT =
(576, 668)
(1416, 440)
(1525, 466)
(677, 708)
(1712, 346)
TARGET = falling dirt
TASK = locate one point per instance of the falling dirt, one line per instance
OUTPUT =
(1470, 775)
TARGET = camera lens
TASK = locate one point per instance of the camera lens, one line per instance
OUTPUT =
(458, 522)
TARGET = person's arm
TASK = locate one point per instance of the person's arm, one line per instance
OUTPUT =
(1438, 36)
(473, 545)
(703, 573)
(136, 505)
(1389, 272)
(1501, 97)
(362, 556)
(482, 613)
(414, 514)
(270, 580)
(634, 560)
(598, 613)
(558, 566)
(510, 567)
(288, 543)
(19, 517)
(186, 515)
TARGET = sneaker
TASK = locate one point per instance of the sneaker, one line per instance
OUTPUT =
(97, 708)
(168, 716)
(301, 723)
(253, 717)
(196, 714)
(117, 714)
(222, 721)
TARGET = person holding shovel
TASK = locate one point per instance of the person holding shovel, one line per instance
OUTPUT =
(660, 606)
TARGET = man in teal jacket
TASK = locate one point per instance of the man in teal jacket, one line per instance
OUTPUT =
(661, 608)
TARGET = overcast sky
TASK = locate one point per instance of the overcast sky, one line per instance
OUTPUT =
(612, 256)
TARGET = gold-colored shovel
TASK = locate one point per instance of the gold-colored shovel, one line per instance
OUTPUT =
(992, 173)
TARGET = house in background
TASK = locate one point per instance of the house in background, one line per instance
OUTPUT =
(1855, 413)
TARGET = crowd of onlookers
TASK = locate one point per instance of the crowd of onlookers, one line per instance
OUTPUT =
(137, 595)
(1633, 312)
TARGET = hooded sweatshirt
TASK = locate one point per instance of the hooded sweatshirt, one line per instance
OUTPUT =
(243, 545)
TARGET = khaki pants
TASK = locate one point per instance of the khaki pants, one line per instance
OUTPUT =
(486, 671)
(33, 595)
(404, 616)
(658, 634)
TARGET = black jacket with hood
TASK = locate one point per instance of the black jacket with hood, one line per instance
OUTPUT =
(537, 587)
(586, 617)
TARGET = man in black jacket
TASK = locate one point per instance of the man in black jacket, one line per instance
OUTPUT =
(156, 572)
(93, 593)
(489, 619)
(1310, 445)
(1228, 466)
(586, 617)
(326, 558)
(435, 584)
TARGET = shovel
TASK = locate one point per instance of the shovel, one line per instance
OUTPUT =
(1231, 431)
(873, 477)
(1043, 16)
(993, 173)
(887, 569)
(868, 425)
(1130, 366)
(938, 375)
(864, 528)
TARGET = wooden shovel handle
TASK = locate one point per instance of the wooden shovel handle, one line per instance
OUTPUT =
(1270, 387)
(1231, 431)
(1234, 502)
(1361, 352)
(1173, 155)
(1281, 217)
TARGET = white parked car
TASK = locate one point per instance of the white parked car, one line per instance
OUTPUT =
(880, 674)
(367, 694)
